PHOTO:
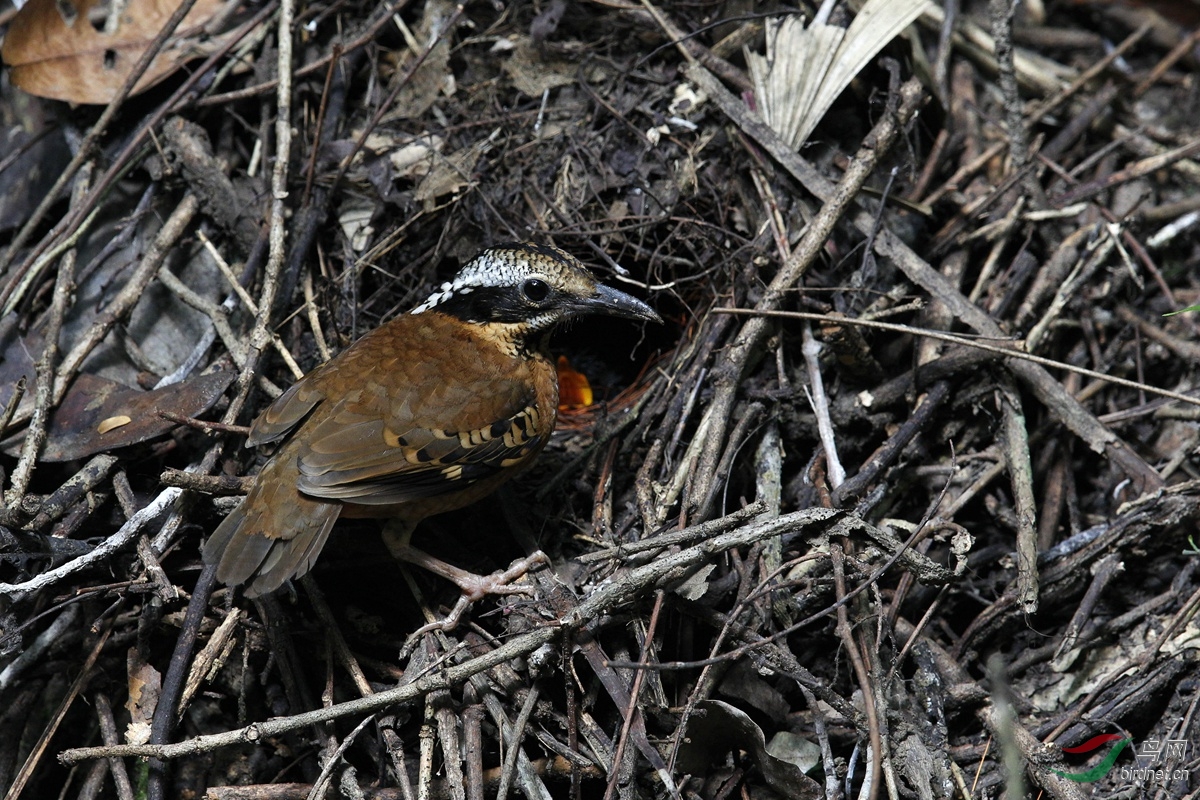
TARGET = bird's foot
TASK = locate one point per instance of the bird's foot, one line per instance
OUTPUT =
(476, 587)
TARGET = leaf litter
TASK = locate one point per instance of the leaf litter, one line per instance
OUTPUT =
(762, 582)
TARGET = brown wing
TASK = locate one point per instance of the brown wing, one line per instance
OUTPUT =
(365, 460)
(431, 409)
(286, 412)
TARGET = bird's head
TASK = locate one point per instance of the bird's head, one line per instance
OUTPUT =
(529, 288)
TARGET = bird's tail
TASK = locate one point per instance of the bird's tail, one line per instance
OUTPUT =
(275, 534)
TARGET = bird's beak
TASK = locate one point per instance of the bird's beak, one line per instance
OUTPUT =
(607, 300)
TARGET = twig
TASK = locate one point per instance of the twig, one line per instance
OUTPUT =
(164, 718)
(314, 319)
(778, 657)
(472, 722)
(615, 592)
(44, 399)
(20, 284)
(1073, 635)
(1033, 71)
(369, 32)
(514, 740)
(811, 349)
(694, 51)
(208, 426)
(72, 228)
(1146, 166)
(1043, 108)
(220, 321)
(1178, 52)
(867, 693)
(113, 544)
(735, 359)
(217, 485)
(108, 732)
(334, 57)
(1049, 391)
(214, 653)
(33, 651)
(975, 344)
(528, 779)
(385, 106)
(39, 749)
(227, 272)
(890, 451)
(747, 422)
(1003, 725)
(1001, 12)
(340, 647)
(74, 491)
(322, 782)
(683, 538)
(768, 488)
(633, 708)
(447, 728)
(215, 314)
(260, 336)
(130, 293)
(14, 400)
(1020, 474)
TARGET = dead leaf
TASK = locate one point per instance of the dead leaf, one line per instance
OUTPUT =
(718, 728)
(83, 424)
(806, 68)
(145, 685)
(533, 72)
(61, 48)
(696, 586)
(433, 77)
(17, 356)
(453, 172)
(795, 749)
(415, 159)
(355, 219)
(34, 146)
(743, 683)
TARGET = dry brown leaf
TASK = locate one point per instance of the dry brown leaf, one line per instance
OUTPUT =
(533, 71)
(59, 48)
(453, 172)
(98, 414)
(806, 68)
(145, 685)
(719, 728)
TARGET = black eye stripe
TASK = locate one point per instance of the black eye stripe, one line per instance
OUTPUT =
(488, 304)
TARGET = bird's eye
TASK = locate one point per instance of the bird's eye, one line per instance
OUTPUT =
(536, 290)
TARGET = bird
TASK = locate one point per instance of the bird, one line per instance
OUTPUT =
(429, 412)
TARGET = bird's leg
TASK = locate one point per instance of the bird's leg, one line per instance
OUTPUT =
(397, 534)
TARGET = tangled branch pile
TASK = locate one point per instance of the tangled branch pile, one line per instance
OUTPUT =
(903, 486)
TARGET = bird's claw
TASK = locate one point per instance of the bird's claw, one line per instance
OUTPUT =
(476, 587)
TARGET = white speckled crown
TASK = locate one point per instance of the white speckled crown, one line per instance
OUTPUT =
(508, 266)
